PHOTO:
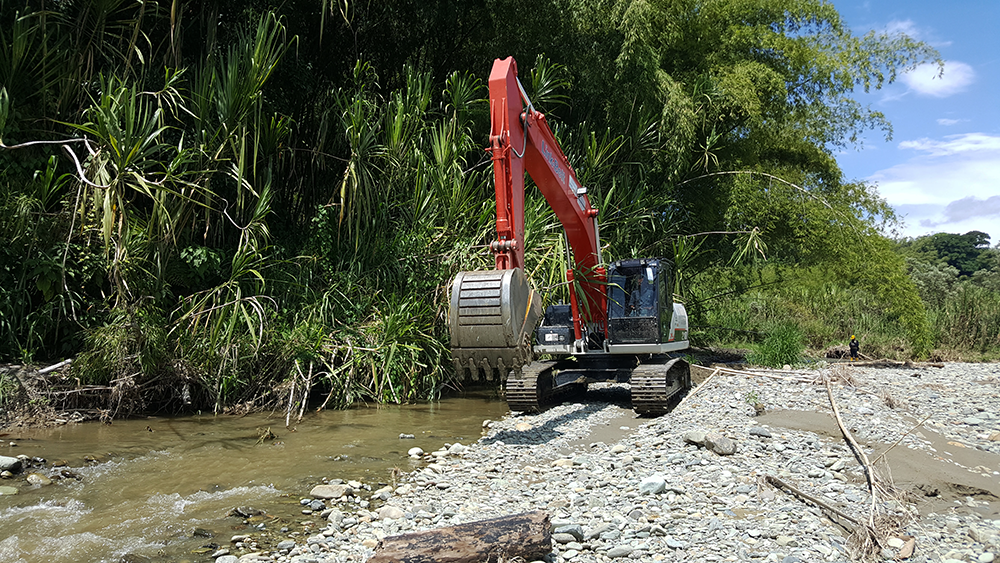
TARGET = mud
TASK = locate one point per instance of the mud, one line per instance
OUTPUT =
(938, 480)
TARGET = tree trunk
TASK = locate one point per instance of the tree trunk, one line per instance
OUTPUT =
(527, 535)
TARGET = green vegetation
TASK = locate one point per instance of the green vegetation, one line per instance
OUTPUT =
(782, 345)
(202, 203)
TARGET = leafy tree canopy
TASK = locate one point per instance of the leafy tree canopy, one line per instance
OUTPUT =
(214, 141)
(966, 253)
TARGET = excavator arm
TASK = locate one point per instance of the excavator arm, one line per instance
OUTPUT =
(493, 313)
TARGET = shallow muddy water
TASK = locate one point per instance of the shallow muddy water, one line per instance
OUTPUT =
(156, 480)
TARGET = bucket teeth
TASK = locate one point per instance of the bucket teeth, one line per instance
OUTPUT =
(492, 318)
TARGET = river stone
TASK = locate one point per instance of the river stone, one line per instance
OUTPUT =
(574, 530)
(720, 444)
(8, 491)
(675, 544)
(390, 513)
(415, 452)
(653, 485)
(995, 437)
(696, 437)
(286, 544)
(10, 464)
(329, 491)
(619, 551)
(785, 541)
(39, 479)
(759, 431)
(563, 538)
(228, 559)
(596, 532)
(973, 421)
(985, 557)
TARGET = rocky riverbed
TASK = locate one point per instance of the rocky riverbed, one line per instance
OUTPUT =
(654, 494)
(691, 485)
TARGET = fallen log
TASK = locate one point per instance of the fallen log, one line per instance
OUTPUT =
(885, 363)
(527, 535)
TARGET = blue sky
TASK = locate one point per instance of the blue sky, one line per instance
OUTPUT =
(941, 170)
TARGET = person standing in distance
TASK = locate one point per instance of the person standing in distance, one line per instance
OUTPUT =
(854, 348)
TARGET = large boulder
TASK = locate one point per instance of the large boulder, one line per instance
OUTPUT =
(653, 485)
(330, 491)
(719, 444)
(11, 464)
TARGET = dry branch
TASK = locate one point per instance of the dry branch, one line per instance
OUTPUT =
(851, 523)
(859, 454)
(903, 435)
(767, 374)
(697, 389)
(54, 367)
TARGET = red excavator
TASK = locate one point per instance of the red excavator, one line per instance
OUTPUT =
(621, 321)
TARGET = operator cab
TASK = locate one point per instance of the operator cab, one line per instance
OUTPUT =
(642, 315)
(640, 301)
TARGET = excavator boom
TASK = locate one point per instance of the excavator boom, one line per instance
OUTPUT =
(621, 321)
(494, 313)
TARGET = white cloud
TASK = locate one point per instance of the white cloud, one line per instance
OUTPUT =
(949, 122)
(950, 184)
(910, 29)
(954, 144)
(904, 27)
(929, 80)
(968, 207)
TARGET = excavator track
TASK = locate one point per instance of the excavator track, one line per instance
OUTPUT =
(529, 386)
(656, 387)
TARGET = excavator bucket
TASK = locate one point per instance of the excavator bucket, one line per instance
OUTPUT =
(492, 318)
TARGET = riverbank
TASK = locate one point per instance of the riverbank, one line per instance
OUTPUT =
(619, 487)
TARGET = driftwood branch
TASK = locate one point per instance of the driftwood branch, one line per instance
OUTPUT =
(54, 367)
(727, 371)
(893, 364)
(851, 522)
(859, 454)
(305, 394)
(901, 436)
(697, 389)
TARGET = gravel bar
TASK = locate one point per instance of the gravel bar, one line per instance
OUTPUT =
(689, 485)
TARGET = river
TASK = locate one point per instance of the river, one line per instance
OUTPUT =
(146, 485)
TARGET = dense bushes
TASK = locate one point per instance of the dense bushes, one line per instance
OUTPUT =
(228, 203)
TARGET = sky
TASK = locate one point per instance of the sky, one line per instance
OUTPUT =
(941, 169)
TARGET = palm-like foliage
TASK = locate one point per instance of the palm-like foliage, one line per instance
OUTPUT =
(280, 207)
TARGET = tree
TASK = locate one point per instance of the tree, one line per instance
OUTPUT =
(967, 253)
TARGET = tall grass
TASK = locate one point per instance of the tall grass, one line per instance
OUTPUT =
(825, 312)
(969, 319)
(782, 345)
